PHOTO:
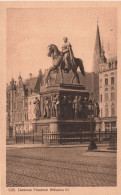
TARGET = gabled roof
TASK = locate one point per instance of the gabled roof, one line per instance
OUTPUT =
(30, 83)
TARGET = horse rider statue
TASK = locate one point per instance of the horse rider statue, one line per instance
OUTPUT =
(65, 61)
(68, 55)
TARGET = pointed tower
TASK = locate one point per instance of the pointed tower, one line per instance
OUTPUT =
(96, 61)
(97, 52)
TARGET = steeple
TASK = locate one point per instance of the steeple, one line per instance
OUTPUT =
(97, 51)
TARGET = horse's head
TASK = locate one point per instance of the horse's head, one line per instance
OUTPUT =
(50, 50)
(53, 49)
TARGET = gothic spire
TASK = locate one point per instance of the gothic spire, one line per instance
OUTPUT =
(97, 51)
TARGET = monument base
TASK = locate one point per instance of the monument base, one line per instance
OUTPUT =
(64, 112)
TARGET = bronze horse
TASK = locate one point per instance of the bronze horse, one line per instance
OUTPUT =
(58, 63)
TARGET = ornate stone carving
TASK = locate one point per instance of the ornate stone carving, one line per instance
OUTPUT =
(54, 106)
(46, 108)
(96, 108)
(75, 106)
(64, 106)
(70, 106)
(37, 107)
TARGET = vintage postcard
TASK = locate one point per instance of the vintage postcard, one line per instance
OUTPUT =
(60, 97)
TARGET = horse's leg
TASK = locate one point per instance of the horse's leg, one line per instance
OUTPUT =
(72, 77)
(75, 75)
(79, 63)
(61, 71)
(50, 70)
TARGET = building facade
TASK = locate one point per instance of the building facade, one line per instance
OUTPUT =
(18, 98)
(108, 94)
(106, 87)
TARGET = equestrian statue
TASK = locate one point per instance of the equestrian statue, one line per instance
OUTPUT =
(65, 61)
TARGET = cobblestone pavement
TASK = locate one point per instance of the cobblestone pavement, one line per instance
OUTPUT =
(54, 167)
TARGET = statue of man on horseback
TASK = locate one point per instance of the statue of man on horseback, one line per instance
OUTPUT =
(65, 61)
(68, 55)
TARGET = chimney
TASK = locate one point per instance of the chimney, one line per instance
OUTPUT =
(30, 75)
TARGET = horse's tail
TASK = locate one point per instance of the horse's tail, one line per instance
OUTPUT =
(79, 64)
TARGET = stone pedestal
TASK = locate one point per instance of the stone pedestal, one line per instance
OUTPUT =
(63, 109)
(54, 127)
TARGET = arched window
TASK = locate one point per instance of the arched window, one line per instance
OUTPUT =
(113, 95)
(106, 89)
(112, 88)
(106, 96)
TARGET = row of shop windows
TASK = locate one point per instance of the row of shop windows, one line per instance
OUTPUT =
(110, 126)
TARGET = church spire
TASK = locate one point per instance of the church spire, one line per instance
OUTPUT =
(97, 51)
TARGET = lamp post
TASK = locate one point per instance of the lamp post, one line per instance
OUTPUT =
(92, 144)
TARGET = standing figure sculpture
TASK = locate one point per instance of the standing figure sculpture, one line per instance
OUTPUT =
(46, 108)
(54, 106)
(65, 61)
(37, 107)
(96, 108)
(75, 107)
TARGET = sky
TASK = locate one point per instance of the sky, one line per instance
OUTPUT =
(30, 31)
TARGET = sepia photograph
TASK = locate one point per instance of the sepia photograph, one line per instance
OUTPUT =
(61, 98)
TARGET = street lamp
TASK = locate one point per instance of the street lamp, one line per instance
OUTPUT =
(92, 144)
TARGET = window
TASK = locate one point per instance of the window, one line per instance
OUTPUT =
(109, 65)
(27, 116)
(112, 73)
(106, 89)
(107, 126)
(113, 109)
(112, 80)
(101, 98)
(112, 96)
(106, 110)
(19, 105)
(22, 117)
(106, 81)
(101, 112)
(106, 96)
(112, 88)
(113, 126)
(100, 82)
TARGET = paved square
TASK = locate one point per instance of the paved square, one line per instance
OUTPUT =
(53, 167)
